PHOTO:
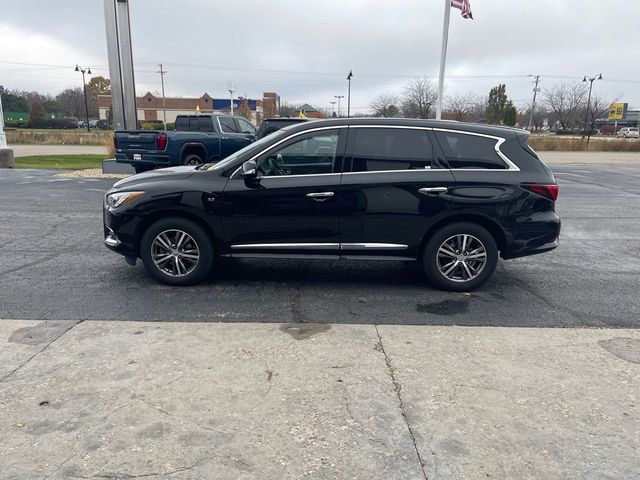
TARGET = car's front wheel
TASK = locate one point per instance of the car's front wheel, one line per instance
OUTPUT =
(176, 251)
(460, 257)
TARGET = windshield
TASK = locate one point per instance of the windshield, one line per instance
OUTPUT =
(248, 150)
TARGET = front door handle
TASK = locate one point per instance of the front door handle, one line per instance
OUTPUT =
(433, 190)
(320, 196)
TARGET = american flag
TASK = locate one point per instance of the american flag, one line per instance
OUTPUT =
(463, 6)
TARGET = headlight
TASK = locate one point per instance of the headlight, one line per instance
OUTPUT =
(118, 199)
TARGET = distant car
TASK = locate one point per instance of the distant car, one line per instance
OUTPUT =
(270, 125)
(450, 196)
(628, 132)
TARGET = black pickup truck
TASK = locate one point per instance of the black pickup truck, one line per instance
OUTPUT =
(195, 139)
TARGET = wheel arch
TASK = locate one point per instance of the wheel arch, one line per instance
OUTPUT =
(490, 225)
(154, 217)
(193, 148)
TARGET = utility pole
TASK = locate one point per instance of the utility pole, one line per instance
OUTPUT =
(349, 94)
(338, 97)
(333, 106)
(586, 116)
(533, 103)
(164, 106)
(84, 88)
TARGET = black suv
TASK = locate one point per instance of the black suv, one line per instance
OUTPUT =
(450, 195)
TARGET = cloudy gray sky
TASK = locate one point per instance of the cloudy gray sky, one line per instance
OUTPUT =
(303, 49)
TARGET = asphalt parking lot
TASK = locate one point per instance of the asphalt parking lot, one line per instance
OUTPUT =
(54, 266)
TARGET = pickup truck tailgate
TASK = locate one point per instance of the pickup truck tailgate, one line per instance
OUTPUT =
(136, 140)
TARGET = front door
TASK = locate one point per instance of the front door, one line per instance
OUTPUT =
(292, 206)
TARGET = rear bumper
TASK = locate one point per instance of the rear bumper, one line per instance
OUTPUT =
(146, 160)
(540, 234)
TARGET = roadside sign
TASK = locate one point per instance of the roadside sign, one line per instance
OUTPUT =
(617, 111)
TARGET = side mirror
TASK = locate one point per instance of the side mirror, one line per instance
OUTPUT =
(249, 169)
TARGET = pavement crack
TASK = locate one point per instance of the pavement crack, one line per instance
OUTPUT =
(151, 474)
(39, 351)
(398, 389)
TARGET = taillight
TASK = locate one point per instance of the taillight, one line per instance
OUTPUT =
(546, 191)
(162, 141)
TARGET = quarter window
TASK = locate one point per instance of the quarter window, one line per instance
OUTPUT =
(313, 154)
(380, 149)
(470, 151)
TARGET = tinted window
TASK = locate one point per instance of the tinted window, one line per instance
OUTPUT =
(246, 127)
(469, 151)
(312, 154)
(379, 149)
(182, 124)
(200, 124)
(228, 125)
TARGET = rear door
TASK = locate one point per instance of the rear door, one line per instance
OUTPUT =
(393, 190)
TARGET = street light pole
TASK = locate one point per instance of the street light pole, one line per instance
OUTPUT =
(586, 117)
(84, 88)
(338, 97)
(349, 94)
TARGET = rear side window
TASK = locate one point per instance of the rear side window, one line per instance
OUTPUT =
(228, 125)
(380, 149)
(470, 151)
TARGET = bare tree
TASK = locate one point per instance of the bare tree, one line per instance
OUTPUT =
(540, 113)
(461, 106)
(599, 108)
(420, 95)
(288, 110)
(565, 100)
(385, 105)
(71, 102)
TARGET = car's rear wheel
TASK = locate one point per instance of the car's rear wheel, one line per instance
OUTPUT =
(176, 251)
(192, 159)
(460, 257)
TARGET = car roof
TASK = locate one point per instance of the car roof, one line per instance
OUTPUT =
(495, 130)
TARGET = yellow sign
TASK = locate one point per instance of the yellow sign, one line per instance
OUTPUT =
(616, 111)
(197, 109)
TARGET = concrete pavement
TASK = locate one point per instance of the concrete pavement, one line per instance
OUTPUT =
(28, 150)
(287, 401)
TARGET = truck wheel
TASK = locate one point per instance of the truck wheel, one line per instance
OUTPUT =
(192, 159)
(177, 251)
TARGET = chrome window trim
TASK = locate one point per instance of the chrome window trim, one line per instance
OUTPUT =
(511, 167)
(285, 139)
(413, 170)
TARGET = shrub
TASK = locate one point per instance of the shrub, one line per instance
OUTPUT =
(151, 125)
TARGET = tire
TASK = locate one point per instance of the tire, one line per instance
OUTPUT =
(192, 159)
(460, 271)
(180, 268)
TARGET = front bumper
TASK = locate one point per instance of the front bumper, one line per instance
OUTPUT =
(120, 232)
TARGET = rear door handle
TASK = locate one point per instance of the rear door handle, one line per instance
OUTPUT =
(433, 190)
(320, 196)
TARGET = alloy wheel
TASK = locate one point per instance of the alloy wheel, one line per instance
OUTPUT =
(461, 258)
(175, 253)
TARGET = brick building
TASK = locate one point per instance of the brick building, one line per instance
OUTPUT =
(150, 107)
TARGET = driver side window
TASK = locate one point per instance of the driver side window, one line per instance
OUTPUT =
(312, 154)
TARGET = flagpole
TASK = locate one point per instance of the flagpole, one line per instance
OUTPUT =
(443, 56)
